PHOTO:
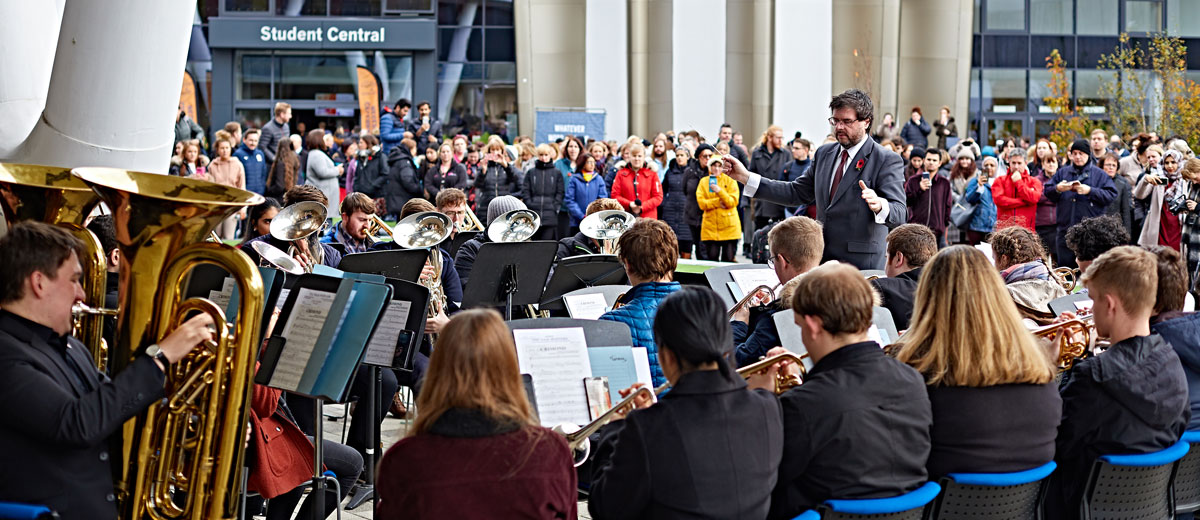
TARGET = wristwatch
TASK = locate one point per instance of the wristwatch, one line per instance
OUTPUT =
(156, 353)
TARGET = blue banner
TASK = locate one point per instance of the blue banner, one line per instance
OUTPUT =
(549, 126)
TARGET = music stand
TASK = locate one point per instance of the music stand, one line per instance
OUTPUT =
(1073, 303)
(401, 264)
(459, 239)
(719, 279)
(578, 272)
(597, 333)
(509, 273)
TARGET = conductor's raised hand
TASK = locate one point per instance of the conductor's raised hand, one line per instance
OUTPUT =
(734, 168)
(189, 335)
(875, 202)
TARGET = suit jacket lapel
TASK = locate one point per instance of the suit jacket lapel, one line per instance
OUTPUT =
(51, 357)
(852, 175)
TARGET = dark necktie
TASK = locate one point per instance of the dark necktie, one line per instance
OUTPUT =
(837, 175)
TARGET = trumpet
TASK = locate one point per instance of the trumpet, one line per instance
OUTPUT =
(1075, 340)
(783, 382)
(749, 297)
(577, 437)
(606, 227)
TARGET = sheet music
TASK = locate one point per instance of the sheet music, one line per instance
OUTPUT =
(301, 331)
(586, 306)
(283, 296)
(748, 279)
(615, 363)
(381, 349)
(558, 361)
(641, 363)
(879, 336)
(221, 297)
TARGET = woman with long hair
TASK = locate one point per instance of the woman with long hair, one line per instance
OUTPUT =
(284, 171)
(228, 171)
(259, 221)
(191, 163)
(475, 449)
(498, 177)
(445, 173)
(1165, 190)
(584, 187)
(1021, 259)
(321, 171)
(995, 404)
(697, 169)
(675, 200)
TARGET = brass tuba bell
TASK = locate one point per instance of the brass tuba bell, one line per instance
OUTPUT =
(50, 194)
(606, 227)
(426, 230)
(297, 223)
(183, 456)
(514, 226)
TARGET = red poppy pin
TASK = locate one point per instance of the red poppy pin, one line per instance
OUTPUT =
(859, 165)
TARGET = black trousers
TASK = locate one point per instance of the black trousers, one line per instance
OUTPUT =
(360, 420)
(720, 250)
(1066, 257)
(1049, 236)
(701, 254)
(548, 231)
(343, 461)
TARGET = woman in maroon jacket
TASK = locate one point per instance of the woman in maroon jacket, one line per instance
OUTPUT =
(476, 450)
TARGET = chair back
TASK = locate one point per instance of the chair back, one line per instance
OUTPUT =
(16, 511)
(996, 496)
(909, 506)
(1130, 487)
(1187, 478)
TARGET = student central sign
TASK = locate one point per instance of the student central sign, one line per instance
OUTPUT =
(329, 33)
(270, 33)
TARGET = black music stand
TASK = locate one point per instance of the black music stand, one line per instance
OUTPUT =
(509, 273)
(1073, 303)
(719, 279)
(401, 264)
(577, 272)
(597, 333)
(459, 239)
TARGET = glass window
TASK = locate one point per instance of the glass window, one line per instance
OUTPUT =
(353, 7)
(460, 44)
(1005, 15)
(252, 117)
(499, 13)
(300, 7)
(1039, 80)
(1096, 17)
(1183, 18)
(1043, 128)
(313, 76)
(1087, 91)
(1143, 16)
(974, 94)
(1007, 51)
(501, 45)
(460, 12)
(1091, 48)
(1003, 129)
(974, 18)
(1050, 17)
(502, 72)
(246, 6)
(408, 5)
(396, 76)
(1041, 46)
(253, 73)
(1003, 90)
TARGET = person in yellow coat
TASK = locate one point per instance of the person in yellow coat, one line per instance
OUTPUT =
(717, 194)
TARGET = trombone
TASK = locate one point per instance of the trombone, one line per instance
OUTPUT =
(606, 227)
(375, 226)
(749, 297)
(470, 222)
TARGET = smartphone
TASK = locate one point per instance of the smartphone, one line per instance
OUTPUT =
(925, 176)
(712, 183)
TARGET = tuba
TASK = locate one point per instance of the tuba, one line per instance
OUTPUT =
(51, 195)
(183, 456)
(426, 230)
(514, 226)
(606, 227)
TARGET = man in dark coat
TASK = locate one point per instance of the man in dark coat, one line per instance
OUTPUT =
(1079, 190)
(768, 160)
(909, 247)
(857, 186)
(275, 131)
(60, 412)
(1133, 398)
(403, 182)
(929, 197)
(426, 130)
(800, 163)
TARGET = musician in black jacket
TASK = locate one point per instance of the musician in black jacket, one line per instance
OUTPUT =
(710, 448)
(581, 244)
(908, 248)
(859, 425)
(58, 410)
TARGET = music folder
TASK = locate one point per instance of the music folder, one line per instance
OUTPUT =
(322, 333)
(214, 283)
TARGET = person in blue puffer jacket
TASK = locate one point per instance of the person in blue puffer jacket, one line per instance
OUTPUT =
(583, 188)
(649, 252)
(979, 192)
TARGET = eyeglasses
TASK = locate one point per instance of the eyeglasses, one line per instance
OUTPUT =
(843, 122)
(771, 261)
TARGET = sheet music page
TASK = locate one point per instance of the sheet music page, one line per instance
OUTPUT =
(283, 296)
(381, 349)
(615, 363)
(301, 331)
(558, 361)
(877, 335)
(641, 363)
(748, 279)
(221, 297)
(586, 306)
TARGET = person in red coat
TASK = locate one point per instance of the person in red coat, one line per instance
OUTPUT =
(475, 449)
(1016, 194)
(636, 186)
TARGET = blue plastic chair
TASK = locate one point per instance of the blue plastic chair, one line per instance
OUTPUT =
(1187, 478)
(1130, 487)
(995, 496)
(909, 506)
(15, 511)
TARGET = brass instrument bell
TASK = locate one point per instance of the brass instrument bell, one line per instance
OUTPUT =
(577, 436)
(299, 220)
(514, 226)
(422, 230)
(277, 258)
(783, 382)
(606, 227)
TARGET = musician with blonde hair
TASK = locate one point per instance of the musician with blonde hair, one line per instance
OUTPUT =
(581, 244)
(995, 403)
(475, 449)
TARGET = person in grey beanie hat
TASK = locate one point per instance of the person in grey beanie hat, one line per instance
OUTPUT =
(501, 205)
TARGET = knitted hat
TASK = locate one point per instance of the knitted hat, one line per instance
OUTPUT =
(1082, 146)
(916, 151)
(965, 152)
(501, 205)
(703, 147)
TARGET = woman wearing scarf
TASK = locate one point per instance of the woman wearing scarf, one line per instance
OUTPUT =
(1167, 193)
(1019, 256)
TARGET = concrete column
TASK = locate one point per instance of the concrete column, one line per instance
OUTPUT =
(935, 66)
(803, 66)
(658, 57)
(606, 63)
(113, 93)
(761, 69)
(698, 75)
(639, 67)
(28, 35)
(550, 56)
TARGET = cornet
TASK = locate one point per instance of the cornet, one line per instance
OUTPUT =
(577, 437)
(749, 297)
(1074, 339)
(783, 381)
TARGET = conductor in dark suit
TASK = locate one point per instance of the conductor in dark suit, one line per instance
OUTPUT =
(856, 185)
(58, 410)
(710, 449)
